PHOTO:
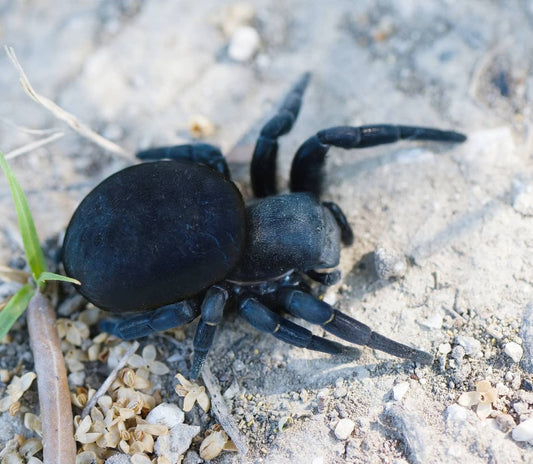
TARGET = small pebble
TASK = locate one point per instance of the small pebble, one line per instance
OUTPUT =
(192, 457)
(344, 429)
(526, 385)
(118, 459)
(523, 431)
(244, 43)
(505, 422)
(520, 407)
(166, 414)
(177, 442)
(458, 353)
(200, 126)
(238, 365)
(514, 351)
(456, 413)
(470, 344)
(389, 263)
(340, 392)
(445, 348)
(398, 391)
(433, 322)
(76, 378)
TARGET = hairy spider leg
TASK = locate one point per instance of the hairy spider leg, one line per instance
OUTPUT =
(142, 324)
(266, 320)
(307, 173)
(311, 309)
(263, 166)
(211, 315)
(200, 153)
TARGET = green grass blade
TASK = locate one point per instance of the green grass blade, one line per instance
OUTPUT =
(32, 247)
(14, 308)
(45, 276)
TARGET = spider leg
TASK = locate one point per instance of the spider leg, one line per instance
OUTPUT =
(342, 222)
(266, 320)
(200, 153)
(307, 166)
(143, 324)
(212, 310)
(313, 310)
(263, 167)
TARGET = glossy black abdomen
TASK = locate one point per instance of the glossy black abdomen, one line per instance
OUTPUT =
(153, 234)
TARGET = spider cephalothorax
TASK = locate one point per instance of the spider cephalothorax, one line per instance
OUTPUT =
(167, 241)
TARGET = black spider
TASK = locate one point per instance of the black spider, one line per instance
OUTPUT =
(172, 240)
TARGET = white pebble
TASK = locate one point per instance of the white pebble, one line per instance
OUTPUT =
(166, 414)
(445, 348)
(76, 378)
(389, 263)
(433, 322)
(344, 429)
(244, 43)
(470, 344)
(174, 444)
(514, 351)
(398, 391)
(523, 431)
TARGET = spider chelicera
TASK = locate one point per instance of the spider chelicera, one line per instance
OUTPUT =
(164, 242)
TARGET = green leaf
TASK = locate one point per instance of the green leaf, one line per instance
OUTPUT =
(32, 247)
(14, 308)
(45, 276)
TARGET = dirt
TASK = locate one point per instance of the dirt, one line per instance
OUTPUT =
(460, 215)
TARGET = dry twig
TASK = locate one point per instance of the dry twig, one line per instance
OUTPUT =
(33, 145)
(110, 379)
(59, 446)
(63, 115)
(222, 412)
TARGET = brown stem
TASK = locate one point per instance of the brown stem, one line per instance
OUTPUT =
(59, 446)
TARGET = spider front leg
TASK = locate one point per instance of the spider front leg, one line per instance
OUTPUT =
(212, 311)
(199, 153)
(313, 310)
(142, 324)
(307, 166)
(263, 167)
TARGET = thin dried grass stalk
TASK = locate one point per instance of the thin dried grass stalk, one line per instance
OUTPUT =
(110, 379)
(63, 115)
(33, 145)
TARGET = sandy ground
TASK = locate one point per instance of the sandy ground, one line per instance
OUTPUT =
(461, 216)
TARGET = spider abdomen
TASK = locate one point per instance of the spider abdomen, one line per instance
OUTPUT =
(153, 234)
